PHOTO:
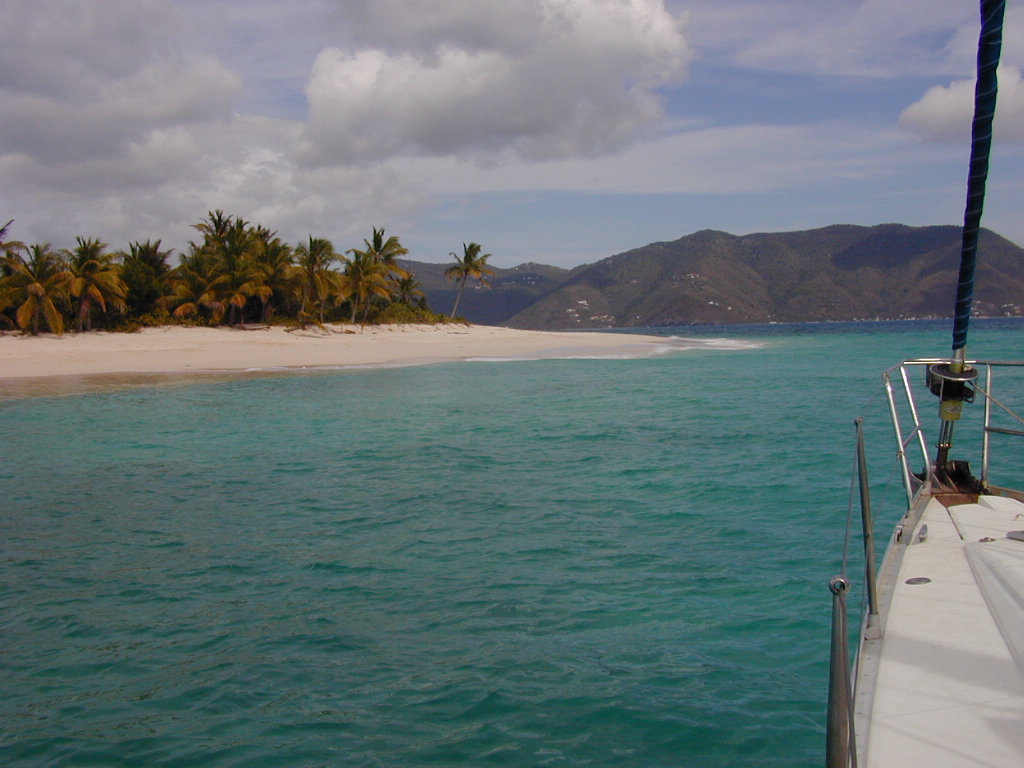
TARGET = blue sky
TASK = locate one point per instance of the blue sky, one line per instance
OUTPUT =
(559, 131)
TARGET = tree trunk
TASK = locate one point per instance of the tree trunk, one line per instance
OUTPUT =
(458, 298)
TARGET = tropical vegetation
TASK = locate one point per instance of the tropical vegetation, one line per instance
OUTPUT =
(471, 264)
(37, 279)
(93, 279)
(234, 273)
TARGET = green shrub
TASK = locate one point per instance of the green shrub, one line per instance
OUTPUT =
(402, 314)
(121, 323)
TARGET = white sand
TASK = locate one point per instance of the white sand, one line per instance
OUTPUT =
(178, 349)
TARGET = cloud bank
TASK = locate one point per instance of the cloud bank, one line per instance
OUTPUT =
(110, 114)
(82, 80)
(129, 119)
(540, 78)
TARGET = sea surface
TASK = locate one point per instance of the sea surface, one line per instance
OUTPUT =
(558, 562)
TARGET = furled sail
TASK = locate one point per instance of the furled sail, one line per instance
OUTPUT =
(989, 46)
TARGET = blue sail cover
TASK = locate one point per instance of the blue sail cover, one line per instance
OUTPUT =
(989, 46)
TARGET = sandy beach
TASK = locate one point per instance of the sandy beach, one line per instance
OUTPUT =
(175, 349)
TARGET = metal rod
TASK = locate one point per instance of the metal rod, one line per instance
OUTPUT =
(1001, 406)
(895, 419)
(840, 751)
(917, 424)
(865, 516)
(911, 436)
(985, 432)
(1003, 431)
(944, 444)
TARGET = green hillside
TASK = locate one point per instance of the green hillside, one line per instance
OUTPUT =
(841, 272)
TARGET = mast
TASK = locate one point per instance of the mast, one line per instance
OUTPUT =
(952, 382)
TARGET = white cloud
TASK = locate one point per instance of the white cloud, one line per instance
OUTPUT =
(159, 187)
(112, 127)
(120, 117)
(270, 42)
(510, 27)
(542, 78)
(945, 112)
(91, 77)
(872, 38)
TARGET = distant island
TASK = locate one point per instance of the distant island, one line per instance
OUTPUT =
(240, 273)
(840, 272)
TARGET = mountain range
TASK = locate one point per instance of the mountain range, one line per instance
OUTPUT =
(840, 272)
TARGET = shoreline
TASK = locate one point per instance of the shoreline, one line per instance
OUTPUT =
(167, 351)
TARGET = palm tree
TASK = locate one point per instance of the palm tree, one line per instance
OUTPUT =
(236, 262)
(214, 227)
(95, 278)
(8, 292)
(472, 264)
(196, 287)
(5, 244)
(144, 270)
(365, 276)
(36, 282)
(279, 277)
(232, 244)
(319, 280)
(386, 251)
(409, 291)
(149, 253)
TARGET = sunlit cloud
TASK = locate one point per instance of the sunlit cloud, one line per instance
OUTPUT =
(562, 79)
(945, 112)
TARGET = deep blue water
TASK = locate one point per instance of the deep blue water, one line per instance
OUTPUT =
(556, 562)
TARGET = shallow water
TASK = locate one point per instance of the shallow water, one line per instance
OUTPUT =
(554, 562)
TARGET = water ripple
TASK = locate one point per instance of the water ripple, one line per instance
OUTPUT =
(566, 563)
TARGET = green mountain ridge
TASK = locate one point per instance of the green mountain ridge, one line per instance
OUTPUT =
(839, 272)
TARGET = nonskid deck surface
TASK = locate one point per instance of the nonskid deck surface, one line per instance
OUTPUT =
(948, 690)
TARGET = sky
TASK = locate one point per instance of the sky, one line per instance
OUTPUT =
(552, 131)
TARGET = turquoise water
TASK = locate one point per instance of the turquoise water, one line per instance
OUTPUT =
(557, 562)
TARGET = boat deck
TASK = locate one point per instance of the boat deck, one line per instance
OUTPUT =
(948, 691)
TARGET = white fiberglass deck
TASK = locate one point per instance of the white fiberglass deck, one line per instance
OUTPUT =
(948, 691)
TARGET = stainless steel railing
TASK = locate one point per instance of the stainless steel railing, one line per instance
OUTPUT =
(840, 737)
(840, 746)
(897, 380)
(988, 429)
(840, 741)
